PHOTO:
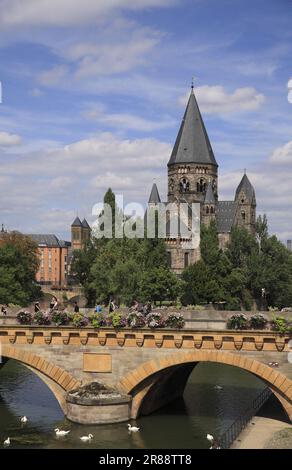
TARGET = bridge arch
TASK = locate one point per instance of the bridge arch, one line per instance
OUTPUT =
(56, 378)
(159, 376)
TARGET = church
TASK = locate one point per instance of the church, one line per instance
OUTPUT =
(193, 178)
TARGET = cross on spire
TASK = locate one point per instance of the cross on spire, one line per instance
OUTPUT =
(193, 82)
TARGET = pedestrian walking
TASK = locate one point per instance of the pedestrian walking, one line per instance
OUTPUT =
(4, 310)
(76, 307)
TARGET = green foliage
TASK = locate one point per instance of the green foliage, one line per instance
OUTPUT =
(79, 320)
(24, 318)
(199, 285)
(98, 320)
(237, 322)
(280, 325)
(136, 320)
(238, 275)
(158, 284)
(117, 320)
(175, 320)
(42, 318)
(60, 318)
(258, 321)
(127, 269)
(18, 266)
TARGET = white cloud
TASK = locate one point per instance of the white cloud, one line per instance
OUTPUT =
(67, 12)
(107, 59)
(126, 120)
(282, 155)
(53, 76)
(215, 99)
(9, 140)
(74, 177)
(36, 92)
(252, 69)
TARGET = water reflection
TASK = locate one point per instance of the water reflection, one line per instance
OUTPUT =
(182, 424)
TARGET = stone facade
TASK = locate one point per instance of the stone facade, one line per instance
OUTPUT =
(144, 361)
(193, 179)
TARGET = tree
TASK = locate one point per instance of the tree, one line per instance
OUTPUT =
(19, 262)
(198, 285)
(159, 284)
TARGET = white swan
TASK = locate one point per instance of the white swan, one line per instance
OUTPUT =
(218, 387)
(210, 438)
(61, 433)
(7, 441)
(133, 428)
(24, 419)
(86, 438)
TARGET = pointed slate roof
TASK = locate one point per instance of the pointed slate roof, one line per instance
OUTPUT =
(209, 197)
(85, 224)
(245, 186)
(77, 222)
(226, 211)
(192, 144)
(154, 195)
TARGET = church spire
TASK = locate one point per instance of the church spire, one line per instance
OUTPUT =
(192, 144)
(154, 195)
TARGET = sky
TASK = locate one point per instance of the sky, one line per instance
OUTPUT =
(93, 93)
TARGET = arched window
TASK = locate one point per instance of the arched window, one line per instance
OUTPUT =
(184, 185)
(186, 256)
(207, 210)
(201, 186)
(212, 210)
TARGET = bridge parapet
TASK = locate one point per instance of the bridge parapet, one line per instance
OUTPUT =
(136, 361)
(247, 340)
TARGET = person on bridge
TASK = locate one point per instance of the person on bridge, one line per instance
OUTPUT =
(54, 304)
(4, 310)
(76, 307)
(37, 307)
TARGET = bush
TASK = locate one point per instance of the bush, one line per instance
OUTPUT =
(237, 322)
(175, 320)
(42, 318)
(117, 320)
(24, 318)
(279, 324)
(233, 303)
(135, 320)
(79, 320)
(155, 320)
(258, 321)
(60, 318)
(97, 320)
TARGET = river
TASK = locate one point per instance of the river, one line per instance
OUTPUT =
(183, 424)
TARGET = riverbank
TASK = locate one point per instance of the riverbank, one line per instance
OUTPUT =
(265, 433)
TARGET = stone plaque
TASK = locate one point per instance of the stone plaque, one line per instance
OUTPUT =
(95, 362)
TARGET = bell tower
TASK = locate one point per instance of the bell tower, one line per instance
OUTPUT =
(192, 163)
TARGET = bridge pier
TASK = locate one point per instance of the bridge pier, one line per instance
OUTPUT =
(98, 411)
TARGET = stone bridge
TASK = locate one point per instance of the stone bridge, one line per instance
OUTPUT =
(149, 366)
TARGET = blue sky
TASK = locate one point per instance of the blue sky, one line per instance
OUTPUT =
(94, 91)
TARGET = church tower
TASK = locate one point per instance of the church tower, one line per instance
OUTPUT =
(192, 164)
(77, 234)
(246, 205)
(208, 211)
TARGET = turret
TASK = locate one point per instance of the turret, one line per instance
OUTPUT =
(246, 204)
